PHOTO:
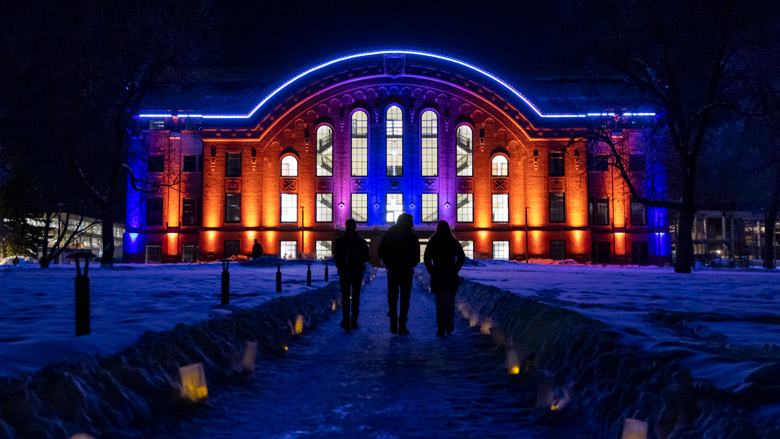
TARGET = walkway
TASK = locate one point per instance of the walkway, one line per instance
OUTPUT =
(370, 383)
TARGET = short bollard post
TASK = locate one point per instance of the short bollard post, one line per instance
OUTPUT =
(308, 275)
(326, 272)
(225, 282)
(278, 278)
(82, 293)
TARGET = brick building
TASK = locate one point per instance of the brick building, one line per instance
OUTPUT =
(370, 136)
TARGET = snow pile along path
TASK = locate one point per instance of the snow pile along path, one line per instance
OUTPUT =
(612, 381)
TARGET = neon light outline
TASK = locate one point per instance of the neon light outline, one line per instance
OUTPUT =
(392, 52)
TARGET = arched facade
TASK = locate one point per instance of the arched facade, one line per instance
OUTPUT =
(369, 138)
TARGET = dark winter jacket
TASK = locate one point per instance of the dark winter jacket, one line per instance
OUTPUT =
(350, 254)
(443, 259)
(257, 250)
(399, 248)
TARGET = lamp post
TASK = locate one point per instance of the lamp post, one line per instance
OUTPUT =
(82, 293)
(302, 227)
(526, 234)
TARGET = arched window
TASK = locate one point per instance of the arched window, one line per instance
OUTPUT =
(395, 131)
(359, 144)
(324, 151)
(464, 151)
(499, 166)
(430, 144)
(289, 166)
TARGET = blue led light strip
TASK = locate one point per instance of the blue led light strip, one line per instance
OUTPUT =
(393, 52)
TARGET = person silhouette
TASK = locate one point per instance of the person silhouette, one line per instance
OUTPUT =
(443, 258)
(350, 255)
(399, 249)
(257, 250)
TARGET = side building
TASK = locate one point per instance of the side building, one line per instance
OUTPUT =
(371, 136)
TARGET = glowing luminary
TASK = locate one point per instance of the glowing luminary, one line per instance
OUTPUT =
(249, 357)
(634, 429)
(485, 327)
(193, 382)
(561, 401)
(464, 311)
(298, 325)
(333, 306)
(512, 362)
(473, 319)
(545, 389)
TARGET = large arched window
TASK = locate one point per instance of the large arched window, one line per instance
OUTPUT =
(395, 131)
(359, 144)
(430, 144)
(324, 151)
(289, 166)
(499, 166)
(464, 151)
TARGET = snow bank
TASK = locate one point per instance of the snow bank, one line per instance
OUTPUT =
(105, 396)
(611, 381)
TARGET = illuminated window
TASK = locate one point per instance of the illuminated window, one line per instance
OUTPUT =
(501, 250)
(288, 249)
(154, 212)
(555, 164)
(465, 210)
(395, 152)
(430, 208)
(359, 144)
(232, 208)
(500, 208)
(233, 165)
(638, 213)
(557, 208)
(463, 151)
(324, 151)
(360, 207)
(324, 249)
(423, 245)
(232, 247)
(289, 166)
(394, 207)
(499, 166)
(468, 248)
(430, 144)
(557, 249)
(156, 163)
(324, 208)
(289, 208)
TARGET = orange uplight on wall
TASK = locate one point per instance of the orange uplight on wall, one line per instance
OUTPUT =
(620, 243)
(578, 245)
(535, 245)
(173, 243)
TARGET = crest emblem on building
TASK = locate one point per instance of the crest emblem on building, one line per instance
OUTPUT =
(395, 65)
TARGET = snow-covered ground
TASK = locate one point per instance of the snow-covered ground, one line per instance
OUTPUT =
(722, 325)
(37, 316)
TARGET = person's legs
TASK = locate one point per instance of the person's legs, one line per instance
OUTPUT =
(392, 299)
(405, 282)
(344, 282)
(357, 283)
(440, 314)
(448, 312)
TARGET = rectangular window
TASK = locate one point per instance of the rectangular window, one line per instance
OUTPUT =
(324, 208)
(468, 248)
(189, 216)
(324, 152)
(188, 252)
(500, 208)
(393, 207)
(190, 163)
(557, 208)
(233, 165)
(157, 124)
(601, 162)
(557, 249)
(156, 163)
(154, 253)
(232, 208)
(465, 208)
(501, 250)
(430, 208)
(636, 163)
(556, 164)
(289, 204)
(638, 213)
(232, 247)
(430, 144)
(359, 144)
(601, 214)
(360, 207)
(395, 156)
(288, 249)
(463, 152)
(423, 244)
(324, 249)
(154, 213)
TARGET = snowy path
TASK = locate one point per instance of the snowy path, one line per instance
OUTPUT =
(369, 383)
